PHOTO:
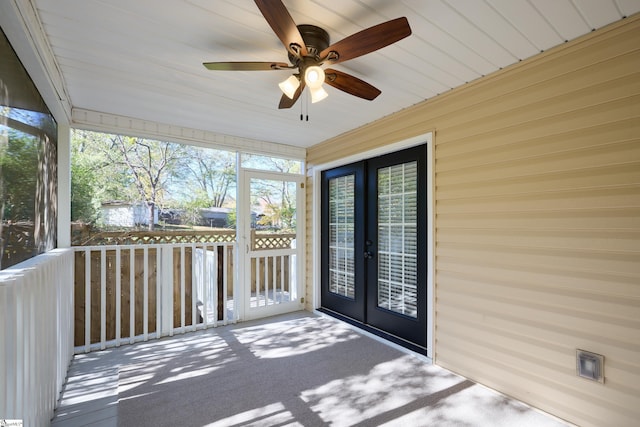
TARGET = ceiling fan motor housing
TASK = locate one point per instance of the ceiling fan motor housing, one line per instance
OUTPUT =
(315, 38)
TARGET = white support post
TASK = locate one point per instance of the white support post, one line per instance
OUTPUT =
(64, 185)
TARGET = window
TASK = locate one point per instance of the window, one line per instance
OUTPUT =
(28, 165)
(272, 164)
(128, 189)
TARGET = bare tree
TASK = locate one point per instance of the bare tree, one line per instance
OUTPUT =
(150, 164)
(214, 172)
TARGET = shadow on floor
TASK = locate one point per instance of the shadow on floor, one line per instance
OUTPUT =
(298, 369)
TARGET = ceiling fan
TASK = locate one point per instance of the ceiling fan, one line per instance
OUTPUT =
(308, 48)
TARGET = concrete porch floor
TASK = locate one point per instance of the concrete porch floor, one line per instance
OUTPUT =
(297, 369)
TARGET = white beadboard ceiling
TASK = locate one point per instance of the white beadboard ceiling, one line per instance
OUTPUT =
(143, 58)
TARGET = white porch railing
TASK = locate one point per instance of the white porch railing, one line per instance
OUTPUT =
(36, 332)
(130, 293)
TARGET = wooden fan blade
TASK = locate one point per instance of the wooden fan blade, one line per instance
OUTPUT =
(366, 41)
(246, 66)
(286, 102)
(283, 25)
(350, 84)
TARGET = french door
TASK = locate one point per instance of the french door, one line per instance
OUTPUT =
(374, 245)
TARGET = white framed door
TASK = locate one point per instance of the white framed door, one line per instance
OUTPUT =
(271, 217)
(374, 259)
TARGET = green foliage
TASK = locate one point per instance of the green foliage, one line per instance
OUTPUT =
(214, 173)
(191, 208)
(84, 206)
(19, 167)
(278, 202)
(232, 218)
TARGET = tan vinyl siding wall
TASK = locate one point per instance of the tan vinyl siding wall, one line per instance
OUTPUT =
(537, 188)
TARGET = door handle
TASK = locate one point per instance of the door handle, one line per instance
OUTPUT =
(368, 255)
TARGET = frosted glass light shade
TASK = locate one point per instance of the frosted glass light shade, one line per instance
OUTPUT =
(290, 86)
(314, 77)
(317, 94)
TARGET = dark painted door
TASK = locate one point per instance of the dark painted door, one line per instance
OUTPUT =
(374, 245)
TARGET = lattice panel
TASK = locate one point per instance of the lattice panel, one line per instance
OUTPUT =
(259, 242)
(272, 241)
(157, 237)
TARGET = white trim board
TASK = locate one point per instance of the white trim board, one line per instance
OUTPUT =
(113, 123)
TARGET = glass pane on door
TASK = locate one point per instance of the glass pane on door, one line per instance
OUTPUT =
(272, 242)
(342, 236)
(397, 239)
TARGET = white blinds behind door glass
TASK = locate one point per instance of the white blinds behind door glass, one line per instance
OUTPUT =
(341, 235)
(397, 238)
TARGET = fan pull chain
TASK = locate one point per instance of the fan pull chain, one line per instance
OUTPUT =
(304, 100)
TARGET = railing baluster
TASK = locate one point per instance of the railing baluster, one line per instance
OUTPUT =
(161, 268)
(274, 283)
(282, 278)
(19, 340)
(182, 289)
(225, 283)
(205, 285)
(266, 281)
(214, 284)
(12, 336)
(132, 294)
(193, 287)
(118, 275)
(87, 300)
(258, 280)
(4, 364)
(103, 298)
(145, 294)
(260, 275)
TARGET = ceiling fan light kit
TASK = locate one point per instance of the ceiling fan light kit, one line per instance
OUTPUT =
(318, 94)
(290, 86)
(314, 76)
(309, 48)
